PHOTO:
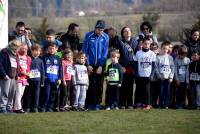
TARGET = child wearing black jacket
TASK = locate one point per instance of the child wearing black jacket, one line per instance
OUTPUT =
(194, 77)
(115, 77)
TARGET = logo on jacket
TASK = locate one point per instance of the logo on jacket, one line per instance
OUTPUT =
(48, 61)
(55, 61)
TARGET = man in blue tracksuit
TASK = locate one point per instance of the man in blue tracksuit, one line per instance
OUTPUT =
(95, 46)
(53, 74)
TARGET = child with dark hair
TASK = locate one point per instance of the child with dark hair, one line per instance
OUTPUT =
(181, 76)
(53, 76)
(194, 72)
(114, 82)
(50, 38)
(80, 82)
(145, 63)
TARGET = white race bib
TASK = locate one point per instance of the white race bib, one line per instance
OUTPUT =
(194, 76)
(165, 69)
(70, 70)
(82, 75)
(52, 70)
(34, 74)
(13, 62)
(181, 70)
(23, 63)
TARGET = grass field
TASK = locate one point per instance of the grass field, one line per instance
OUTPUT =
(103, 122)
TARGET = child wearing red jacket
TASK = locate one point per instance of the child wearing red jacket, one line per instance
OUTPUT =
(23, 70)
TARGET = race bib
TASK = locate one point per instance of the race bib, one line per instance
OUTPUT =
(113, 74)
(145, 65)
(23, 63)
(181, 70)
(52, 70)
(34, 74)
(82, 75)
(194, 77)
(165, 69)
(13, 62)
(70, 70)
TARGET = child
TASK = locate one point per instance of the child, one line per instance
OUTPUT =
(181, 76)
(115, 78)
(80, 82)
(165, 65)
(50, 38)
(155, 88)
(8, 69)
(68, 71)
(36, 77)
(53, 76)
(194, 91)
(145, 63)
(23, 70)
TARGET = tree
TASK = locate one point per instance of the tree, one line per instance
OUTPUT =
(152, 18)
(41, 31)
(185, 35)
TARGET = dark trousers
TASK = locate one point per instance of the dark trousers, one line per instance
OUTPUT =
(181, 95)
(112, 95)
(95, 90)
(32, 95)
(143, 90)
(155, 92)
(126, 91)
(164, 93)
(191, 95)
(173, 89)
(51, 91)
(65, 94)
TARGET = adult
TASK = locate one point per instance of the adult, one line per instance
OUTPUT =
(71, 39)
(95, 46)
(8, 72)
(146, 30)
(126, 61)
(193, 42)
(20, 34)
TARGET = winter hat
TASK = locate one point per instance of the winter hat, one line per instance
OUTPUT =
(100, 24)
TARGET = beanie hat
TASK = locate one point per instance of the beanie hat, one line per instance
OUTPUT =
(100, 24)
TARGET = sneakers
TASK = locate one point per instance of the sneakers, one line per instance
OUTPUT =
(20, 111)
(147, 107)
(108, 109)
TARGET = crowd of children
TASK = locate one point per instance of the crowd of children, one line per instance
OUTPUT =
(57, 79)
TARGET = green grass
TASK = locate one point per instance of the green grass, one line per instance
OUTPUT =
(104, 122)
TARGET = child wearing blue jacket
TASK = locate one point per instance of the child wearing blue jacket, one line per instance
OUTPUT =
(53, 76)
(36, 78)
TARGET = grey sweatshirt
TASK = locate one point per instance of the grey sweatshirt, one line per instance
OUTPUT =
(81, 75)
(182, 69)
(165, 66)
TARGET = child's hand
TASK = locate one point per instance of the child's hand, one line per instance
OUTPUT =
(64, 83)
(177, 83)
(99, 70)
(59, 82)
(42, 85)
(90, 69)
(124, 69)
(119, 85)
(170, 80)
(6, 77)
